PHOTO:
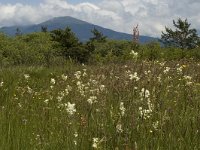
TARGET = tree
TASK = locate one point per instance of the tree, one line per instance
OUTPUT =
(183, 37)
(65, 38)
(44, 29)
(69, 46)
(18, 32)
(97, 36)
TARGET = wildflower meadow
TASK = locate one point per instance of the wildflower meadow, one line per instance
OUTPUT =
(140, 105)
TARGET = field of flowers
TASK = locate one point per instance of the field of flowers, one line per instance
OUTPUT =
(137, 106)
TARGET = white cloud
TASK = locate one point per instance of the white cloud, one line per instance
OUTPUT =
(120, 15)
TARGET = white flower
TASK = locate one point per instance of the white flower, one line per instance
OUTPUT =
(159, 78)
(145, 113)
(64, 77)
(134, 76)
(155, 125)
(77, 74)
(162, 64)
(119, 128)
(144, 93)
(59, 98)
(134, 54)
(29, 90)
(26, 76)
(187, 77)
(180, 69)
(95, 142)
(1, 83)
(102, 87)
(70, 108)
(20, 105)
(75, 134)
(53, 81)
(122, 108)
(166, 70)
(92, 99)
(46, 101)
(188, 80)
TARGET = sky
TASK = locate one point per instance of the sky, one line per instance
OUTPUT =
(119, 15)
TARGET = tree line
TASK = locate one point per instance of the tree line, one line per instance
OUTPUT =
(60, 46)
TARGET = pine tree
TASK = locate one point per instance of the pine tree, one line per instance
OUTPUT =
(18, 32)
(97, 36)
(44, 29)
(183, 37)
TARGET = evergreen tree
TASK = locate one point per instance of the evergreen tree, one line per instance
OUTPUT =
(183, 37)
(66, 38)
(18, 32)
(69, 45)
(97, 36)
(44, 29)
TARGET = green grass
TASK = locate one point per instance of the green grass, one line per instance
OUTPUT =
(156, 110)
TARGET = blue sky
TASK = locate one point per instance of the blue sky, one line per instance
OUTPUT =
(120, 15)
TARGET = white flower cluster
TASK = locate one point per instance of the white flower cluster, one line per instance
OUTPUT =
(64, 77)
(119, 128)
(90, 89)
(77, 74)
(156, 125)
(167, 69)
(1, 83)
(134, 54)
(188, 80)
(133, 76)
(122, 108)
(92, 99)
(60, 96)
(95, 142)
(70, 108)
(146, 113)
(179, 70)
(29, 90)
(26, 76)
(144, 94)
(68, 89)
(53, 81)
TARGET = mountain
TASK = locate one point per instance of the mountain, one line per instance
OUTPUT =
(81, 28)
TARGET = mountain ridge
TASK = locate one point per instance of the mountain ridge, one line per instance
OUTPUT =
(82, 29)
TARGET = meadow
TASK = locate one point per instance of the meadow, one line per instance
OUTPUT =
(152, 105)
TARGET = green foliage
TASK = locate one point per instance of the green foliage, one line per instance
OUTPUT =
(65, 38)
(60, 46)
(151, 51)
(79, 54)
(69, 46)
(112, 50)
(183, 37)
(98, 36)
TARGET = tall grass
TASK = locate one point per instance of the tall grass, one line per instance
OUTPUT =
(133, 106)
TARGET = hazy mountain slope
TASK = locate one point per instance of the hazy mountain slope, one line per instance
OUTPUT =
(81, 28)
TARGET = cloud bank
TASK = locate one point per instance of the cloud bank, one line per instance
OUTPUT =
(120, 15)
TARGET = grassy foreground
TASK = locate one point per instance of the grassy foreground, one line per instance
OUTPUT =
(137, 106)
